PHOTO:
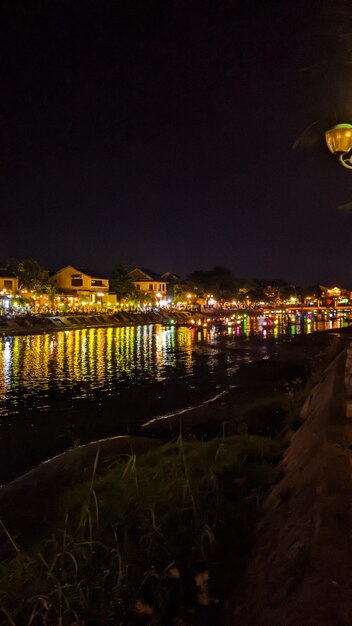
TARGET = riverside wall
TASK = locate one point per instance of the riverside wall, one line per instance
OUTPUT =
(45, 324)
(300, 569)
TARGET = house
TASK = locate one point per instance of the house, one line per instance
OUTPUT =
(8, 282)
(81, 282)
(149, 283)
(172, 280)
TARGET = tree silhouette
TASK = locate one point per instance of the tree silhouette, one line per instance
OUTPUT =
(31, 275)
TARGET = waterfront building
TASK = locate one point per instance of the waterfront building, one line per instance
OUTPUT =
(173, 282)
(149, 283)
(83, 285)
(8, 282)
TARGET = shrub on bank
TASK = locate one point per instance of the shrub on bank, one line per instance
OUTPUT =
(184, 502)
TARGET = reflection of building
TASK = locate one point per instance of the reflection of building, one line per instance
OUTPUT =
(72, 281)
(8, 282)
(149, 283)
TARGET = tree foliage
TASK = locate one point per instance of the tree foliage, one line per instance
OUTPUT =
(219, 282)
(121, 283)
(31, 275)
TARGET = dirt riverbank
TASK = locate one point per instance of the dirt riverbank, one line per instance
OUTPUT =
(261, 396)
(300, 570)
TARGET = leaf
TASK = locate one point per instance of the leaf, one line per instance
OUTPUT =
(345, 208)
(308, 137)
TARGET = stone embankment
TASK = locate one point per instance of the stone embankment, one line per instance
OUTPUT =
(300, 570)
(43, 324)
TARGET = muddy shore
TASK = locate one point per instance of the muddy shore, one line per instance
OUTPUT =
(261, 394)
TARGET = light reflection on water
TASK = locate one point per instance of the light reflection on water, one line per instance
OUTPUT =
(82, 364)
(277, 325)
(82, 361)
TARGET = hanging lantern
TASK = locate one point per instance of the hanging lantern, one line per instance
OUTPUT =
(339, 142)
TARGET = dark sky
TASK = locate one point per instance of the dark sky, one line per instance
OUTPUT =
(160, 134)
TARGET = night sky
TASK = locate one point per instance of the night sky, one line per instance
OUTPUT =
(160, 134)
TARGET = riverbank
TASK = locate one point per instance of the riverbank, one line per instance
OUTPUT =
(109, 539)
(262, 395)
(73, 387)
(83, 474)
(31, 325)
(299, 571)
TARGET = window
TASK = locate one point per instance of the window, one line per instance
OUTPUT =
(138, 287)
(150, 287)
(8, 284)
(97, 283)
(76, 282)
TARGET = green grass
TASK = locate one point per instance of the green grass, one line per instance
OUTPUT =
(186, 501)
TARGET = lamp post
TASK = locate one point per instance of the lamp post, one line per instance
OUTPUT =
(158, 299)
(100, 296)
(339, 142)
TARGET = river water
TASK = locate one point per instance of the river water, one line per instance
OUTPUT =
(75, 386)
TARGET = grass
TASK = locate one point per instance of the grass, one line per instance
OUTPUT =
(186, 501)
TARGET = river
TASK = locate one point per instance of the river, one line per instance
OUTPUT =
(69, 387)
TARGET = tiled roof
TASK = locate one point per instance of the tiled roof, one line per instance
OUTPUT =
(82, 270)
(150, 275)
(90, 272)
(171, 277)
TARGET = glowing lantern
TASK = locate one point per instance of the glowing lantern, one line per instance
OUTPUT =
(339, 142)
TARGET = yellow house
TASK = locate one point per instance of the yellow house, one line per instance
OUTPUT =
(8, 282)
(149, 283)
(73, 281)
